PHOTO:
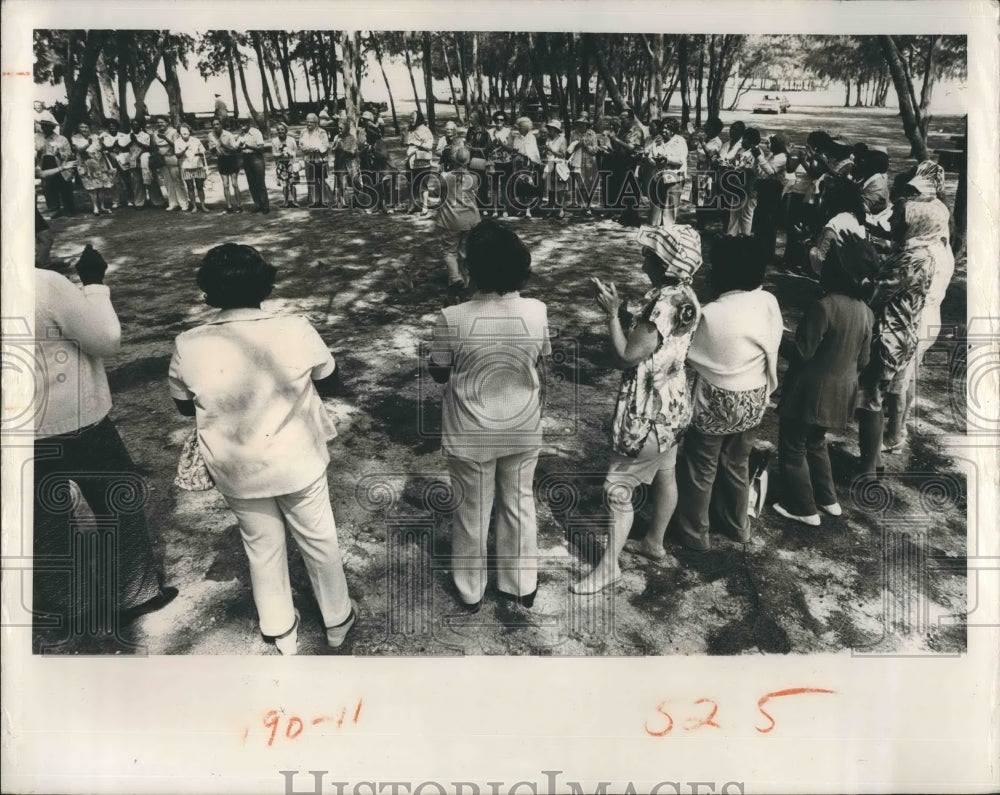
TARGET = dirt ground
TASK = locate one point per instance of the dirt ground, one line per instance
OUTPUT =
(888, 577)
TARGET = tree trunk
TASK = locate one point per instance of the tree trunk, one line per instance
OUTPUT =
(655, 50)
(607, 79)
(461, 72)
(700, 82)
(232, 80)
(246, 94)
(122, 81)
(265, 89)
(682, 74)
(377, 46)
(172, 85)
(409, 68)
(903, 84)
(280, 41)
(536, 73)
(928, 86)
(348, 69)
(477, 73)
(428, 78)
(451, 82)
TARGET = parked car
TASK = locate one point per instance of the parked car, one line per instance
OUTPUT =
(772, 103)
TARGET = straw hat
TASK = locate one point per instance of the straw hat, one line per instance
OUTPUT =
(555, 124)
(47, 118)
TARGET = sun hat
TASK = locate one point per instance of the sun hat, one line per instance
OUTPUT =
(583, 119)
(678, 247)
(368, 116)
(45, 117)
(554, 124)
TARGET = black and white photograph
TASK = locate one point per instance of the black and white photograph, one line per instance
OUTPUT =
(504, 342)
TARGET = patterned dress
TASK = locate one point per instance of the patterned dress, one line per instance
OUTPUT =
(901, 289)
(95, 170)
(654, 394)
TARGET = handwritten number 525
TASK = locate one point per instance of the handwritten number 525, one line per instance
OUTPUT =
(664, 722)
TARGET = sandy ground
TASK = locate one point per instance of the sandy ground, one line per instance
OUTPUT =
(887, 577)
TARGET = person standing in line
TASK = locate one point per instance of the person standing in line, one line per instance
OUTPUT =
(221, 110)
(249, 378)
(346, 168)
(820, 389)
(769, 184)
(95, 170)
(556, 171)
(169, 169)
(734, 356)
(705, 186)
(582, 150)
(314, 144)
(116, 145)
(419, 142)
(286, 164)
(53, 155)
(229, 162)
(251, 145)
(654, 406)
(527, 165)
(669, 175)
(487, 351)
(76, 439)
(501, 159)
(194, 167)
(745, 164)
(457, 213)
(139, 172)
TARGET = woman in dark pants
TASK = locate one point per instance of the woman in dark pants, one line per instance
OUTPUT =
(734, 355)
(770, 183)
(820, 389)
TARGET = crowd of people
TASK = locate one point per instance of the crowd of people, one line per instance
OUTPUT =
(698, 375)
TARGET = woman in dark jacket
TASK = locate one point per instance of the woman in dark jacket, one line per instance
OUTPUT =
(831, 347)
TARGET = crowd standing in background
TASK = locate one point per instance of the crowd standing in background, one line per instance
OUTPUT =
(698, 375)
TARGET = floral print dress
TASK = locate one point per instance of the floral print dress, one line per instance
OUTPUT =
(654, 394)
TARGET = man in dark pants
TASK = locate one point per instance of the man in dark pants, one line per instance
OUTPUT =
(52, 151)
(112, 572)
(251, 145)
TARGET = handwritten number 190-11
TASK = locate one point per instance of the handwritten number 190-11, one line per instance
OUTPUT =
(663, 723)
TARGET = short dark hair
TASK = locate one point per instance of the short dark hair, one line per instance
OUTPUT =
(497, 258)
(234, 276)
(751, 137)
(843, 195)
(713, 127)
(737, 128)
(835, 278)
(738, 263)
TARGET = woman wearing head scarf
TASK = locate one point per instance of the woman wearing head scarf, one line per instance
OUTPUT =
(653, 407)
(927, 231)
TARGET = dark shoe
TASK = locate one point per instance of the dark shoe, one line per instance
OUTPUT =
(528, 600)
(335, 636)
(470, 609)
(165, 597)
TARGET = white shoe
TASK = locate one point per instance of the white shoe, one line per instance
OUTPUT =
(833, 510)
(812, 521)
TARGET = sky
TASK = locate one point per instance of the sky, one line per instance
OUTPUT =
(198, 93)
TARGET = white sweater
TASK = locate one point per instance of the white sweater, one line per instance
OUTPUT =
(736, 344)
(74, 330)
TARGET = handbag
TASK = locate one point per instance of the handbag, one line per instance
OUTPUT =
(192, 472)
(156, 160)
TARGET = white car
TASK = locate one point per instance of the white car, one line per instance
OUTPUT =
(772, 103)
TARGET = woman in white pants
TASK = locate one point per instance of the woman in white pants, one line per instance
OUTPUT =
(487, 349)
(248, 377)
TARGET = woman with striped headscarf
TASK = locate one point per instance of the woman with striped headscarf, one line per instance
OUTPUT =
(928, 228)
(904, 287)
